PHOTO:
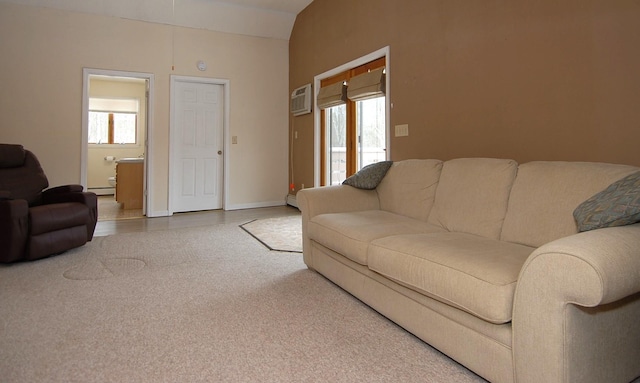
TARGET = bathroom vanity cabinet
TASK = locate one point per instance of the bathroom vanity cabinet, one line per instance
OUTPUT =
(129, 180)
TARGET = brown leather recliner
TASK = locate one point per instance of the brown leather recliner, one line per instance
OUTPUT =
(37, 223)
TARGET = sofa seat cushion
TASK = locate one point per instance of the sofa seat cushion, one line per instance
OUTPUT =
(350, 233)
(473, 273)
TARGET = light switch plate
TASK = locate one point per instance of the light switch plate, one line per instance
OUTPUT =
(402, 130)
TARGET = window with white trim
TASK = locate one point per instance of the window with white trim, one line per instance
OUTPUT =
(113, 121)
(352, 120)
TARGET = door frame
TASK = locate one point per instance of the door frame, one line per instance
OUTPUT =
(317, 126)
(225, 132)
(148, 143)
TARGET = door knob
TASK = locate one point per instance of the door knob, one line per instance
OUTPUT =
(219, 151)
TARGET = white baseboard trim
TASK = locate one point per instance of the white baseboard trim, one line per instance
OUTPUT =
(255, 205)
(292, 200)
(160, 213)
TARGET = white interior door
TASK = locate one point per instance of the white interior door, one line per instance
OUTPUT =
(196, 146)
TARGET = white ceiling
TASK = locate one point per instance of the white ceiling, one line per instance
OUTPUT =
(288, 6)
(264, 18)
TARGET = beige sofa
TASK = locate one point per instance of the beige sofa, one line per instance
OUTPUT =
(482, 259)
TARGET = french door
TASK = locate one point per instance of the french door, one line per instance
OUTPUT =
(353, 132)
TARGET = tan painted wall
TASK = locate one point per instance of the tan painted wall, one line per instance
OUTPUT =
(543, 80)
(44, 52)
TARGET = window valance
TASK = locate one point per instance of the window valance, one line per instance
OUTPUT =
(367, 85)
(332, 95)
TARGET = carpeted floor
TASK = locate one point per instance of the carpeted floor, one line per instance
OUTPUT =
(205, 304)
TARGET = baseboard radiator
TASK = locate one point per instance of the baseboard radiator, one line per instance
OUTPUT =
(291, 200)
(103, 190)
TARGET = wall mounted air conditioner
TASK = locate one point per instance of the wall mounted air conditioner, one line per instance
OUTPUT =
(301, 100)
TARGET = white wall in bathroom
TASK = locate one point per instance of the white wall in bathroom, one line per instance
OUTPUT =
(98, 168)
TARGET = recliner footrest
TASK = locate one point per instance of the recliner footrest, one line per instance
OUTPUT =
(55, 242)
(48, 218)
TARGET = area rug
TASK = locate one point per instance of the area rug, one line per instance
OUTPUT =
(203, 304)
(277, 234)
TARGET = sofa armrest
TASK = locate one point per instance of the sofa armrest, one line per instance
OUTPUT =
(331, 199)
(336, 199)
(577, 303)
(14, 229)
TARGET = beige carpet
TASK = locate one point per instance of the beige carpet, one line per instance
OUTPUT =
(206, 304)
(277, 234)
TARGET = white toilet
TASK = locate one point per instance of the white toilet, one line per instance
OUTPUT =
(112, 181)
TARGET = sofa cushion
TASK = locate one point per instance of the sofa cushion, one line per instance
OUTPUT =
(369, 176)
(617, 205)
(473, 273)
(472, 195)
(545, 194)
(350, 233)
(409, 188)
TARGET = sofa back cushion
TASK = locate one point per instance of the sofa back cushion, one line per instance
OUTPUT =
(409, 187)
(545, 194)
(472, 195)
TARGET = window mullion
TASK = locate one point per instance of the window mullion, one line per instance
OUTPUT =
(111, 128)
(351, 138)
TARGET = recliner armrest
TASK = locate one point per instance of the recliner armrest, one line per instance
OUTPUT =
(64, 189)
(66, 193)
(14, 229)
(89, 199)
(85, 198)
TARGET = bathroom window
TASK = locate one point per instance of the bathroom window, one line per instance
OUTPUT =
(113, 121)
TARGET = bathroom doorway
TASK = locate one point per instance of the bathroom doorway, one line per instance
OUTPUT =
(115, 121)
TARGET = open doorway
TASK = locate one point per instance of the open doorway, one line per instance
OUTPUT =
(115, 120)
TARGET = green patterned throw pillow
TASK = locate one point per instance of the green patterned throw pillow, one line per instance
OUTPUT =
(617, 205)
(369, 176)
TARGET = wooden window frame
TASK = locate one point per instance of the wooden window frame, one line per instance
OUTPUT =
(111, 127)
